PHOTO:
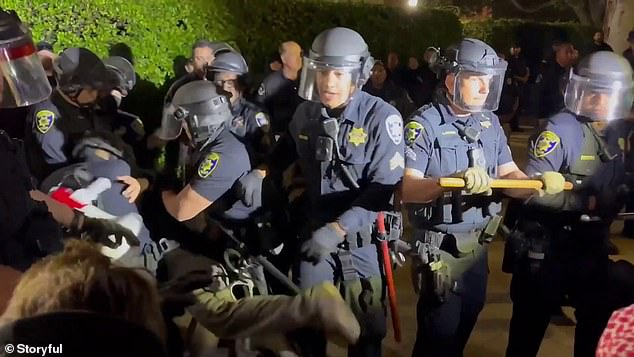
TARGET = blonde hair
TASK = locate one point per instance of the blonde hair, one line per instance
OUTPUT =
(81, 278)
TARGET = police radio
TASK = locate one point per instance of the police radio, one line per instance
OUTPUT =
(326, 146)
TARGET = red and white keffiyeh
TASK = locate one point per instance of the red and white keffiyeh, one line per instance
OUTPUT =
(617, 339)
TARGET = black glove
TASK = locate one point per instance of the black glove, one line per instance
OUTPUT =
(100, 230)
(176, 295)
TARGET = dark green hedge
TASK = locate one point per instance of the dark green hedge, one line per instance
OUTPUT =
(533, 37)
(160, 30)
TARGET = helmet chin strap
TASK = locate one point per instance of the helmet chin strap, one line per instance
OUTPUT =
(212, 136)
(72, 99)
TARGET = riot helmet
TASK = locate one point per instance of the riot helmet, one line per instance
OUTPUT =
(204, 53)
(229, 70)
(87, 149)
(474, 75)
(122, 73)
(78, 69)
(23, 80)
(230, 61)
(200, 108)
(339, 63)
(600, 87)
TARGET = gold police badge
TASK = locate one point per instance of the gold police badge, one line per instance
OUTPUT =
(546, 143)
(357, 136)
(44, 120)
(208, 165)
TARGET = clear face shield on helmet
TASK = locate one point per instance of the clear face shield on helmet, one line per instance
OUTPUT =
(23, 80)
(606, 99)
(330, 84)
(171, 122)
(202, 120)
(479, 89)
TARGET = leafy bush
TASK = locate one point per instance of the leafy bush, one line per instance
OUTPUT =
(161, 30)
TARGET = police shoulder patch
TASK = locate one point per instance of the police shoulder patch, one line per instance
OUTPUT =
(546, 143)
(44, 120)
(394, 125)
(208, 165)
(261, 119)
(413, 131)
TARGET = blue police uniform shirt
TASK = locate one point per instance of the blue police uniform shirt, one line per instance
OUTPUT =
(42, 121)
(436, 148)
(217, 166)
(559, 146)
(278, 95)
(370, 142)
(53, 128)
(249, 120)
(251, 125)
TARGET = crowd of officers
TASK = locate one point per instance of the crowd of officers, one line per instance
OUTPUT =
(299, 173)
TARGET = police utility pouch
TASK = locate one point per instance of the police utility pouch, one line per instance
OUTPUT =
(324, 149)
(490, 230)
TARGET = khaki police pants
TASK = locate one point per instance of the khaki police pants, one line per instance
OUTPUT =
(219, 312)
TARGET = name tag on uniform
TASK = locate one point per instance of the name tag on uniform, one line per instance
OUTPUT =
(449, 133)
(588, 157)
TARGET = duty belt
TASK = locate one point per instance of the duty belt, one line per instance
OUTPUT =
(394, 227)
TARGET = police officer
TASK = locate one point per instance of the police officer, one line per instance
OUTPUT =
(249, 122)
(203, 54)
(278, 91)
(566, 254)
(220, 159)
(349, 146)
(28, 231)
(123, 78)
(457, 135)
(55, 125)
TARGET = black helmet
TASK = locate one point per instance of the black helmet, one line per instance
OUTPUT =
(122, 71)
(199, 105)
(230, 61)
(79, 68)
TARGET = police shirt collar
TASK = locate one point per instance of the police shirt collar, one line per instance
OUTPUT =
(448, 116)
(351, 111)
